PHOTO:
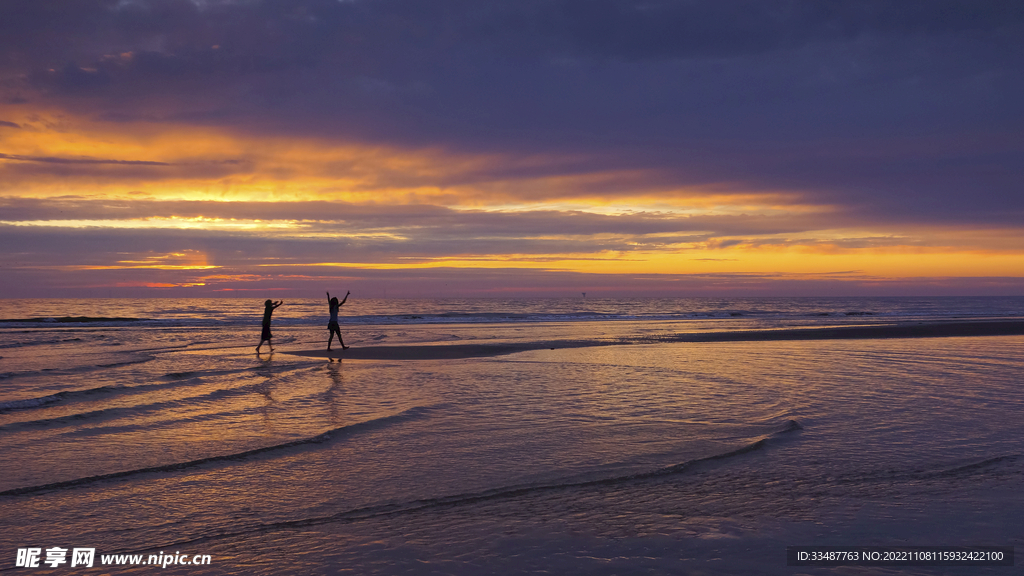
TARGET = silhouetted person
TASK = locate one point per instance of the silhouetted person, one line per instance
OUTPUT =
(332, 326)
(268, 309)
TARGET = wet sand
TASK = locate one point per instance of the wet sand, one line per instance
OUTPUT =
(442, 351)
(903, 330)
(461, 350)
(67, 319)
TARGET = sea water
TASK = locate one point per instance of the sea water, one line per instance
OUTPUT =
(162, 433)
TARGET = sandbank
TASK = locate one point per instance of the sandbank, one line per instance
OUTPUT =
(875, 331)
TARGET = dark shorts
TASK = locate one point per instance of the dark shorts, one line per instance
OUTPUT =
(266, 333)
(333, 326)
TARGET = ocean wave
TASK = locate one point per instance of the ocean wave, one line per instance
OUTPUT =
(175, 380)
(413, 506)
(325, 437)
(970, 469)
(67, 320)
(824, 317)
(179, 375)
(49, 342)
(71, 419)
(965, 470)
(136, 410)
(84, 369)
(310, 312)
(29, 403)
(171, 380)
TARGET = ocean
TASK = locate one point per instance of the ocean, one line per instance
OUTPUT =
(490, 436)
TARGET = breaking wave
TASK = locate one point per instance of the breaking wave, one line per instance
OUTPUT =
(322, 438)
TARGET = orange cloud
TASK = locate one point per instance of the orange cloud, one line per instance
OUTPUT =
(57, 155)
(51, 156)
(151, 285)
(185, 260)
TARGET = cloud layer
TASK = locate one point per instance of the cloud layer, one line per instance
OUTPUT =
(698, 142)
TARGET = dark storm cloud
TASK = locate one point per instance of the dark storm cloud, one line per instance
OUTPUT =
(17, 168)
(884, 108)
(235, 253)
(173, 36)
(57, 160)
(421, 222)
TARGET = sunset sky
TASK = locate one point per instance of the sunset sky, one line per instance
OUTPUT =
(511, 148)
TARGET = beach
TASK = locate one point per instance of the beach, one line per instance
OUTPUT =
(943, 329)
(563, 437)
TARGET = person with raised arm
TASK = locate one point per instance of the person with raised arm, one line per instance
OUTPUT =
(268, 308)
(332, 326)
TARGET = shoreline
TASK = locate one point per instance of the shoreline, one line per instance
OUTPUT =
(950, 329)
(921, 329)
